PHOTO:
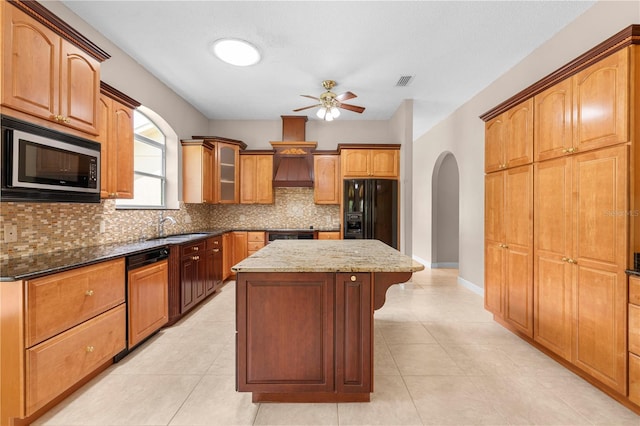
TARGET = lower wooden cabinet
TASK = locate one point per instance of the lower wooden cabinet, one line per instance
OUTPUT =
(60, 362)
(193, 275)
(329, 235)
(214, 264)
(255, 241)
(148, 301)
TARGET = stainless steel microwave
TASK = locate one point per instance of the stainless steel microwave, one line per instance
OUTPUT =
(40, 164)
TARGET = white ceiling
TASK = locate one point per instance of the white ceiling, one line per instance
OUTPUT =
(453, 48)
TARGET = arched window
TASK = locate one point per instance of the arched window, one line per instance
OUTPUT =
(149, 165)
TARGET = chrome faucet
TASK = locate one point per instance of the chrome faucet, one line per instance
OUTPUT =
(161, 221)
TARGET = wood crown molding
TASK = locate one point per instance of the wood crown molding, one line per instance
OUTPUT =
(624, 38)
(118, 95)
(342, 146)
(239, 143)
(51, 21)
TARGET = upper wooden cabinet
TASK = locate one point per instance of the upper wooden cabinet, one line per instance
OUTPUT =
(211, 170)
(587, 111)
(509, 138)
(115, 113)
(367, 162)
(47, 79)
(326, 181)
(256, 176)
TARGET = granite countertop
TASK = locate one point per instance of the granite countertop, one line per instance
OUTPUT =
(328, 256)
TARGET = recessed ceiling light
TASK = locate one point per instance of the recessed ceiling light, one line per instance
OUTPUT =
(236, 52)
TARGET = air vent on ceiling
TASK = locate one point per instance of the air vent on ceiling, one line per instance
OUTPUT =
(404, 80)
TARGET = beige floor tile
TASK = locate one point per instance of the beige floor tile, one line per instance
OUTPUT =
(470, 333)
(214, 401)
(480, 360)
(113, 399)
(404, 332)
(297, 414)
(451, 400)
(390, 405)
(424, 360)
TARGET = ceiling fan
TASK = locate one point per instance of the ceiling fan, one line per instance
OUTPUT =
(329, 102)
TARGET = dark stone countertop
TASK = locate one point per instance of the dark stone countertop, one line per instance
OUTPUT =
(635, 272)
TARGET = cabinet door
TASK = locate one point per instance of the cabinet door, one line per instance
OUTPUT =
(494, 242)
(601, 102)
(148, 301)
(240, 252)
(227, 255)
(600, 252)
(208, 186)
(264, 179)
(384, 163)
(30, 65)
(553, 124)
(79, 89)
(228, 170)
(326, 182)
(495, 133)
(355, 162)
(553, 293)
(518, 222)
(188, 283)
(247, 179)
(104, 124)
(121, 136)
(519, 140)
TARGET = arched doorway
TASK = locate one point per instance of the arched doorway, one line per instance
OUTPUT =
(445, 212)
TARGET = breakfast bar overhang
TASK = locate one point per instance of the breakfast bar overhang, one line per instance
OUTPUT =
(304, 318)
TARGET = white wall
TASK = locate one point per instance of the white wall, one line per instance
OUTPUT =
(462, 133)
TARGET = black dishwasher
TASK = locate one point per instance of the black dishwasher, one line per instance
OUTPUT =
(146, 294)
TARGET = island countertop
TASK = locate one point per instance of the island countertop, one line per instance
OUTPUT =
(327, 256)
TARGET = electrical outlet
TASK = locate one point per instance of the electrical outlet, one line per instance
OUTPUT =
(10, 233)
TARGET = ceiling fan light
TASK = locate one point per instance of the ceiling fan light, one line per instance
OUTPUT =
(335, 112)
(321, 112)
(236, 52)
(328, 117)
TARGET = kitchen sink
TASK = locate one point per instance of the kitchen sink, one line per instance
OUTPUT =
(181, 237)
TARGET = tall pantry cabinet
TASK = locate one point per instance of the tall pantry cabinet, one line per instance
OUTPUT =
(583, 179)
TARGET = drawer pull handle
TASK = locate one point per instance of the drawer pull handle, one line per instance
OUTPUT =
(195, 258)
(90, 349)
(89, 292)
(216, 250)
(195, 248)
(353, 278)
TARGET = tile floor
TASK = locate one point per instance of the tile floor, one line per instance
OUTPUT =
(439, 360)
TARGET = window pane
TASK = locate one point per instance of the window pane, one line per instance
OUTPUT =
(148, 159)
(143, 126)
(147, 191)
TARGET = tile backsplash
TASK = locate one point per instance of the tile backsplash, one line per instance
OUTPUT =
(47, 227)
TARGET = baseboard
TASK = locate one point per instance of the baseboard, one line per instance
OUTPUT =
(445, 265)
(422, 261)
(471, 286)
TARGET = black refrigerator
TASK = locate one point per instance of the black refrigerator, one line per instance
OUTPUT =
(371, 210)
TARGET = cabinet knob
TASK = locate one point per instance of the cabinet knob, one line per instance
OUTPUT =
(572, 261)
(90, 349)
(565, 259)
(195, 257)
(195, 248)
(353, 278)
(216, 250)
(89, 292)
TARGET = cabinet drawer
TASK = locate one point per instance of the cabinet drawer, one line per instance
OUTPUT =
(634, 290)
(254, 246)
(215, 242)
(634, 329)
(191, 249)
(60, 301)
(57, 364)
(329, 235)
(255, 236)
(634, 378)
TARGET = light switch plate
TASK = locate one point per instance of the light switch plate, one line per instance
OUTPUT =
(10, 233)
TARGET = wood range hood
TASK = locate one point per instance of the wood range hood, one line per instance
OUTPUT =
(293, 159)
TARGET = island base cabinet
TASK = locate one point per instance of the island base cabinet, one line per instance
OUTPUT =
(60, 362)
(304, 337)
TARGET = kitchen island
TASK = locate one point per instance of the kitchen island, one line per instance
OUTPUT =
(304, 318)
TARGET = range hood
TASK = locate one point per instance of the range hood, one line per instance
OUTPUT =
(293, 159)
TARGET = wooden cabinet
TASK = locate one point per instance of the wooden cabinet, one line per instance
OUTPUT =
(227, 255)
(509, 138)
(256, 178)
(115, 111)
(370, 162)
(329, 235)
(326, 182)
(227, 173)
(56, 331)
(634, 339)
(193, 274)
(509, 246)
(255, 241)
(210, 170)
(198, 165)
(47, 77)
(585, 112)
(240, 246)
(147, 301)
(214, 264)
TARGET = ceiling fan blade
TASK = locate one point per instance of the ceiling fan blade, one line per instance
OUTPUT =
(307, 107)
(353, 108)
(310, 97)
(345, 96)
